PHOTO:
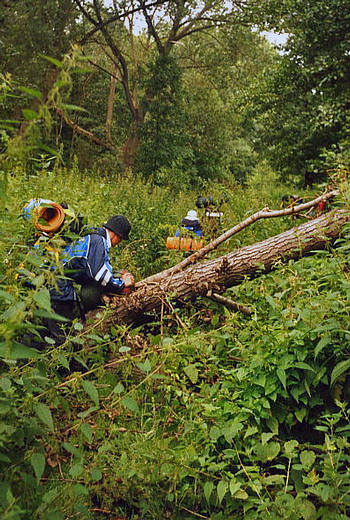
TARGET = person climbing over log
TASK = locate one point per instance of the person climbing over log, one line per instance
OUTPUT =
(190, 235)
(191, 223)
(86, 263)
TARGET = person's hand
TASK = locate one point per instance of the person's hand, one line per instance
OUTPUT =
(128, 280)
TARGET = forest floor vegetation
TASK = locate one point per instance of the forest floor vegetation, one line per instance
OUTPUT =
(201, 413)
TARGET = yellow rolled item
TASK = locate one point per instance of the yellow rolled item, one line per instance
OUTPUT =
(184, 243)
(53, 216)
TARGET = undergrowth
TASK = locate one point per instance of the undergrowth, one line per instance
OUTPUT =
(205, 413)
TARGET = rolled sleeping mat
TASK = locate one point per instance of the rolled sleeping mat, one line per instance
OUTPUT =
(47, 216)
(184, 243)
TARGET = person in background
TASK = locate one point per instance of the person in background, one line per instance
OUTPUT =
(191, 223)
(86, 263)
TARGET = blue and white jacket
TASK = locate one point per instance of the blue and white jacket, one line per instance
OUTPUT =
(84, 261)
(190, 225)
(32, 205)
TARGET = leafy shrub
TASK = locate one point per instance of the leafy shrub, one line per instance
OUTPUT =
(211, 413)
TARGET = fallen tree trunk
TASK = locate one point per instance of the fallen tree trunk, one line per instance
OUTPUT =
(262, 214)
(228, 270)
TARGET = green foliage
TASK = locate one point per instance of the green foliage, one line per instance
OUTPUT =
(303, 99)
(203, 412)
(212, 412)
(162, 140)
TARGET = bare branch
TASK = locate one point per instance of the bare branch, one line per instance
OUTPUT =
(86, 13)
(151, 28)
(112, 19)
(183, 34)
(102, 69)
(85, 133)
(120, 58)
(229, 303)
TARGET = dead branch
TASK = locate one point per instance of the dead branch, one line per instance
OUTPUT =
(85, 133)
(229, 303)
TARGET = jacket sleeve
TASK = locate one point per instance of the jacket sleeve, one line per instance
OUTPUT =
(99, 267)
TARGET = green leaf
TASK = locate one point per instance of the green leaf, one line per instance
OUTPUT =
(4, 458)
(58, 63)
(339, 370)
(145, 367)
(272, 423)
(300, 413)
(251, 430)
(208, 489)
(96, 474)
(9, 121)
(266, 452)
(282, 377)
(50, 496)
(18, 351)
(87, 412)
(308, 510)
(265, 437)
(91, 390)
(221, 490)
(322, 344)
(81, 70)
(31, 92)
(234, 486)
(192, 373)
(241, 494)
(42, 146)
(53, 515)
(304, 366)
(323, 491)
(62, 359)
(29, 115)
(79, 489)
(42, 299)
(290, 446)
(73, 107)
(76, 470)
(130, 403)
(78, 326)
(118, 389)
(307, 459)
(37, 460)
(5, 383)
(124, 349)
(231, 430)
(6, 296)
(86, 430)
(44, 414)
(71, 449)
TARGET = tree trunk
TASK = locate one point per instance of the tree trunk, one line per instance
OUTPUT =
(228, 270)
(110, 104)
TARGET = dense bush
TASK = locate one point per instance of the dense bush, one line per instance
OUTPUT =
(206, 412)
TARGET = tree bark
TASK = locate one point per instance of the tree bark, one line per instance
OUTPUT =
(228, 270)
(110, 104)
